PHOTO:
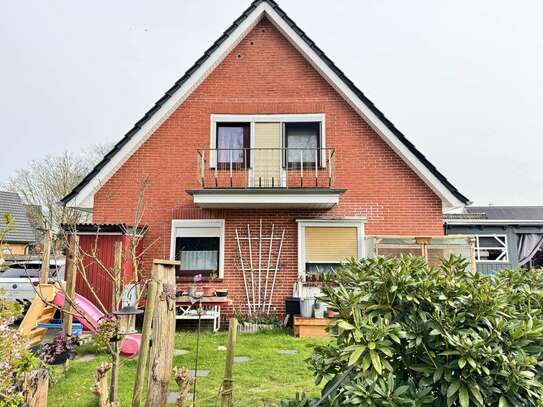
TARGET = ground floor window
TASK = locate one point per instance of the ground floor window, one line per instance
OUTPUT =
(199, 246)
(491, 248)
(324, 244)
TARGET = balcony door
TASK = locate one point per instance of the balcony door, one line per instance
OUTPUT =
(267, 171)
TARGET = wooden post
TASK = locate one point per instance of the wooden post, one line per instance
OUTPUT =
(44, 272)
(227, 384)
(37, 388)
(71, 275)
(113, 394)
(69, 290)
(152, 288)
(160, 365)
(100, 387)
(184, 381)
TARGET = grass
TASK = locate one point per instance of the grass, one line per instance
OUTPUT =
(267, 378)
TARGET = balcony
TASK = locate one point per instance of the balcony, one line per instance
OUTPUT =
(266, 178)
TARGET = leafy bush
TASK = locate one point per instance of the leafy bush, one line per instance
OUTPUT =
(16, 361)
(411, 334)
(62, 345)
(15, 358)
(258, 317)
(108, 327)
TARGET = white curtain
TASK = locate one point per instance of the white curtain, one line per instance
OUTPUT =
(305, 139)
(528, 245)
(199, 259)
(231, 139)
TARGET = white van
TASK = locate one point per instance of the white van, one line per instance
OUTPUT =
(17, 280)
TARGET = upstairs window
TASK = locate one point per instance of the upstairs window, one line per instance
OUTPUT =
(491, 248)
(303, 143)
(233, 142)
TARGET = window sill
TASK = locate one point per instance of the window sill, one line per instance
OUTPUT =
(205, 280)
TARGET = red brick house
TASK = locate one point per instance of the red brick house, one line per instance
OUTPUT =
(265, 128)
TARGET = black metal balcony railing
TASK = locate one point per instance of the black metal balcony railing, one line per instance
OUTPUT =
(266, 168)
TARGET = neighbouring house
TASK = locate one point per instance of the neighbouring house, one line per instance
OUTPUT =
(263, 163)
(504, 236)
(19, 241)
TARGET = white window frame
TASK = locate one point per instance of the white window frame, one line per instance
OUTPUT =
(505, 249)
(265, 118)
(357, 222)
(200, 223)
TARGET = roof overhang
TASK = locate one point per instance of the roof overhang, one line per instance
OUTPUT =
(490, 222)
(83, 194)
(278, 198)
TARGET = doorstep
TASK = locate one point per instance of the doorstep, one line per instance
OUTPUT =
(311, 327)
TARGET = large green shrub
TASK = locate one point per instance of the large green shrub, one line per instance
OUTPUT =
(411, 334)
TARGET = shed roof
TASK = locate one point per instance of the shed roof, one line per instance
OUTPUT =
(508, 212)
(11, 203)
(503, 215)
(101, 228)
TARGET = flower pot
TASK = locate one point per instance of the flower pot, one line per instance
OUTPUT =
(306, 307)
(331, 313)
(221, 292)
(318, 309)
(209, 290)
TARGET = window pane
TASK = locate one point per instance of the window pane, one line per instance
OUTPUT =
(301, 140)
(492, 255)
(491, 241)
(317, 268)
(230, 143)
(491, 248)
(198, 255)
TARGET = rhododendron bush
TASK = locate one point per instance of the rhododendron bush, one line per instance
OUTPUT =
(413, 335)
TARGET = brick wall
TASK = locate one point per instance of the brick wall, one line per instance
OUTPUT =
(264, 74)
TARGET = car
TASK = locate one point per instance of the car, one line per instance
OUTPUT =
(18, 279)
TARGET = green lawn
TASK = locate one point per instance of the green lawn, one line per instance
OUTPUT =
(268, 377)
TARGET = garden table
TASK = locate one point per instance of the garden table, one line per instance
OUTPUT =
(187, 308)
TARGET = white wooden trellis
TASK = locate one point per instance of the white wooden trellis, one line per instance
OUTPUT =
(258, 287)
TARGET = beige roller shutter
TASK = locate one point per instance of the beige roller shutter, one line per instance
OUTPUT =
(330, 244)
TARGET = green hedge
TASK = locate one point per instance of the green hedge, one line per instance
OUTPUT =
(411, 334)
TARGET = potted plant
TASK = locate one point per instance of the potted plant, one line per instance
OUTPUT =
(318, 310)
(60, 349)
(193, 289)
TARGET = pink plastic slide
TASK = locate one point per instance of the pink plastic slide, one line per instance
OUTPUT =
(130, 345)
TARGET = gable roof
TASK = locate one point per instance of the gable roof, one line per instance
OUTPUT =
(11, 203)
(82, 194)
(532, 215)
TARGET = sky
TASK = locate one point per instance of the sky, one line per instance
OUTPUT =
(462, 79)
